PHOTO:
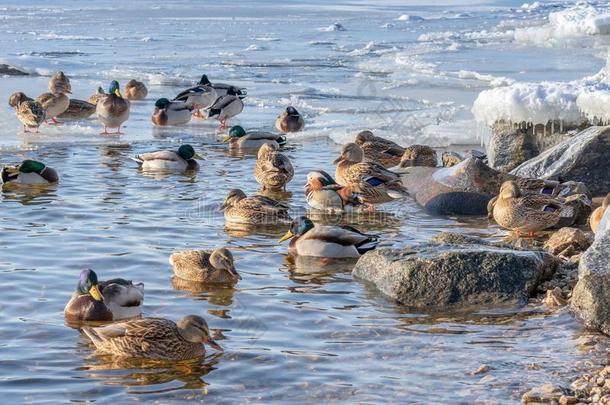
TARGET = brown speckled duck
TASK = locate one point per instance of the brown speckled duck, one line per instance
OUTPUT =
(215, 267)
(56, 101)
(289, 121)
(135, 90)
(29, 112)
(273, 169)
(253, 210)
(99, 94)
(77, 110)
(598, 213)
(378, 149)
(417, 155)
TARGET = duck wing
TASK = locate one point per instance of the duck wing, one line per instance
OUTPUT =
(159, 155)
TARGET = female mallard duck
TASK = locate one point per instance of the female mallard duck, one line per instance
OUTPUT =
(417, 155)
(29, 112)
(182, 159)
(135, 90)
(371, 181)
(290, 121)
(29, 172)
(214, 267)
(227, 106)
(273, 169)
(222, 88)
(598, 214)
(239, 139)
(113, 110)
(154, 338)
(171, 112)
(200, 97)
(525, 213)
(378, 149)
(327, 241)
(451, 159)
(77, 110)
(56, 102)
(323, 193)
(100, 94)
(104, 300)
(254, 210)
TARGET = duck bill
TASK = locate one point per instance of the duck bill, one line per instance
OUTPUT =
(197, 156)
(209, 341)
(234, 273)
(307, 188)
(338, 160)
(226, 138)
(286, 236)
(12, 169)
(94, 291)
(117, 93)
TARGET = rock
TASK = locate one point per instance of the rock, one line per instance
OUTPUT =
(566, 238)
(7, 70)
(546, 393)
(554, 298)
(567, 400)
(510, 146)
(582, 158)
(483, 368)
(470, 272)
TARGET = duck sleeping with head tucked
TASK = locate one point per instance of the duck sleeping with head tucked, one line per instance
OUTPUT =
(183, 159)
(215, 267)
(29, 172)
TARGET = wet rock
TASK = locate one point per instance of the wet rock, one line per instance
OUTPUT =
(546, 394)
(568, 400)
(568, 242)
(510, 146)
(582, 158)
(8, 70)
(439, 275)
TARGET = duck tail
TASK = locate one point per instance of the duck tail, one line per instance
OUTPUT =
(281, 140)
(138, 159)
(368, 244)
(397, 191)
(213, 112)
(6, 176)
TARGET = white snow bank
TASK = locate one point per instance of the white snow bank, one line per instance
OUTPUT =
(409, 17)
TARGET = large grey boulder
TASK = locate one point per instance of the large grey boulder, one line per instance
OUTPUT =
(591, 295)
(582, 158)
(454, 271)
(510, 146)
(8, 70)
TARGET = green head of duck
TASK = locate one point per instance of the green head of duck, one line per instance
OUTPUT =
(299, 227)
(115, 89)
(187, 152)
(88, 284)
(31, 166)
(162, 103)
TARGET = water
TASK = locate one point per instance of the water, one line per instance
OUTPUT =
(291, 331)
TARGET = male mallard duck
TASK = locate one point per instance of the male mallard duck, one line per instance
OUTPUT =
(29, 112)
(417, 155)
(290, 121)
(56, 102)
(525, 213)
(135, 90)
(113, 110)
(323, 193)
(327, 241)
(378, 149)
(201, 97)
(222, 88)
(214, 267)
(153, 338)
(226, 107)
(239, 139)
(254, 210)
(273, 169)
(171, 112)
(104, 300)
(100, 94)
(598, 214)
(370, 180)
(29, 172)
(182, 159)
(78, 109)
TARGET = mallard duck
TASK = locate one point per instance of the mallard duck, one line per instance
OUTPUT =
(289, 121)
(215, 267)
(327, 241)
(97, 96)
(273, 169)
(417, 155)
(29, 172)
(370, 180)
(182, 159)
(490, 207)
(113, 110)
(598, 214)
(78, 109)
(56, 102)
(201, 97)
(450, 159)
(239, 139)
(226, 107)
(154, 338)
(323, 193)
(109, 300)
(135, 90)
(171, 112)
(378, 149)
(525, 213)
(222, 88)
(29, 112)
(253, 210)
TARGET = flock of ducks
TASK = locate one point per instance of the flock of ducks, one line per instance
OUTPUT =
(367, 173)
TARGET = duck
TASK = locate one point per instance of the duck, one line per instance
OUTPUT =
(201, 97)
(254, 210)
(29, 172)
(99, 94)
(378, 149)
(238, 138)
(273, 169)
(56, 101)
(171, 112)
(416, 155)
(113, 110)
(110, 300)
(182, 159)
(451, 159)
(227, 106)
(153, 338)
(215, 267)
(78, 109)
(30, 113)
(525, 213)
(327, 241)
(370, 180)
(289, 121)
(222, 88)
(135, 90)
(324, 194)
(598, 214)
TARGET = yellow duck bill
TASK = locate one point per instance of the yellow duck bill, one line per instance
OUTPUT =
(95, 293)
(286, 236)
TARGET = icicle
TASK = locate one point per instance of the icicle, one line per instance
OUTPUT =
(561, 126)
(552, 126)
(544, 130)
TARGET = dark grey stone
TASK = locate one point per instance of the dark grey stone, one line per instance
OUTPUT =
(510, 146)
